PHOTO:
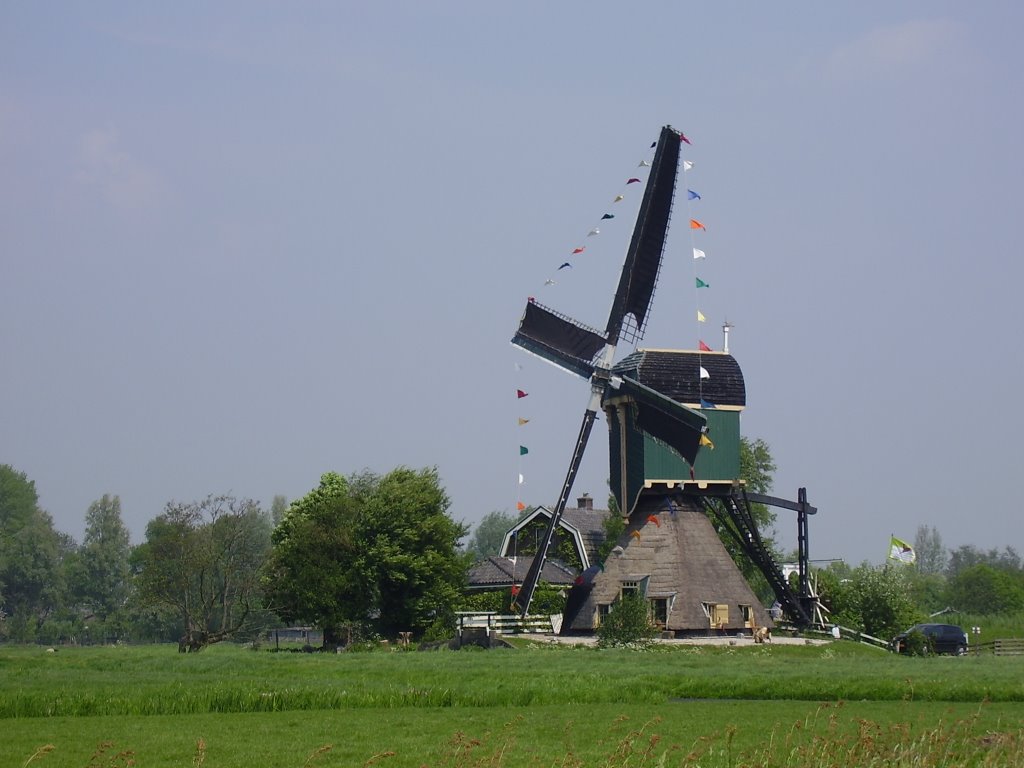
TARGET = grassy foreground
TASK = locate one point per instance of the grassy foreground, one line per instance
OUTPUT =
(786, 706)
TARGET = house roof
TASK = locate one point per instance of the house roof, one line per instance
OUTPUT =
(585, 524)
(496, 571)
(676, 374)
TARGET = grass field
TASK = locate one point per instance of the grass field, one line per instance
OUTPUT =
(785, 705)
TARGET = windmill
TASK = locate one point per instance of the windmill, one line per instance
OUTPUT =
(657, 426)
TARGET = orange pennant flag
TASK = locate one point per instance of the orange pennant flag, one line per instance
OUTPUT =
(694, 224)
(520, 506)
(654, 519)
(635, 534)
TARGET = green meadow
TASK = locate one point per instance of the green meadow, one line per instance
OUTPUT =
(839, 704)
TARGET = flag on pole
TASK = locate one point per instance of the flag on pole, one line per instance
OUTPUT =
(523, 421)
(700, 319)
(523, 450)
(634, 180)
(694, 224)
(900, 550)
(704, 373)
(691, 195)
(608, 216)
(520, 478)
(706, 441)
(520, 506)
(698, 253)
(704, 347)
(687, 165)
(702, 284)
(618, 199)
(520, 394)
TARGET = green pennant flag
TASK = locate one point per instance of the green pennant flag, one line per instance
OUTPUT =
(702, 284)
(523, 450)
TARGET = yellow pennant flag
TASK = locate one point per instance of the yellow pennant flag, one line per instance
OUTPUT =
(705, 440)
(523, 421)
(700, 317)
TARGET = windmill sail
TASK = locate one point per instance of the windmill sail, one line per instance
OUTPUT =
(576, 348)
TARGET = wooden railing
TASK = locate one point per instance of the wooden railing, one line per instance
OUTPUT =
(1011, 646)
(503, 624)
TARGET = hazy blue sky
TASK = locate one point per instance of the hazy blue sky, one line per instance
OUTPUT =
(245, 243)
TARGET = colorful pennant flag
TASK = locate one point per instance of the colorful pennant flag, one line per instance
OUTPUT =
(564, 265)
(900, 550)
(523, 450)
(705, 441)
(581, 249)
(608, 216)
(644, 164)
(700, 317)
(694, 224)
(691, 195)
(520, 506)
(654, 144)
(682, 137)
(594, 231)
(698, 253)
(634, 180)
(702, 284)
(523, 421)
(618, 199)
(549, 281)
(521, 478)
(706, 403)
(654, 519)
(704, 373)
(687, 165)
(704, 347)
(520, 394)
(635, 534)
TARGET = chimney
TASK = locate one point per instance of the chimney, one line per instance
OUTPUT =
(585, 502)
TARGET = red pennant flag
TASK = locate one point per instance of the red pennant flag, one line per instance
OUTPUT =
(682, 137)
(705, 348)
(520, 394)
(654, 519)
(633, 181)
(581, 249)
(515, 590)
(520, 506)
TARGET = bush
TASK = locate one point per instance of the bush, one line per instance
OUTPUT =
(628, 623)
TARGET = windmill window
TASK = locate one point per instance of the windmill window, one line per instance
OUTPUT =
(659, 611)
(630, 588)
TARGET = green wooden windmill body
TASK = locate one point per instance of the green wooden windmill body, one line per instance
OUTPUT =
(637, 459)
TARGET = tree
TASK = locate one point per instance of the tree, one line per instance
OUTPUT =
(202, 560)
(277, 509)
(490, 532)
(931, 555)
(368, 551)
(31, 551)
(102, 569)
(877, 601)
(985, 589)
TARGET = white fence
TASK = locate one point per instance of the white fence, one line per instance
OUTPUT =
(502, 624)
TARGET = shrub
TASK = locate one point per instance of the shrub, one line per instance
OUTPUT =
(628, 623)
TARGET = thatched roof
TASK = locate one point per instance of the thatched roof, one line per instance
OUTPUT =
(495, 572)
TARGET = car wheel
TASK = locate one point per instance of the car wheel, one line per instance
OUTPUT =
(961, 650)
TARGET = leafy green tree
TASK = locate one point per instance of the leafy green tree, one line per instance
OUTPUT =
(31, 552)
(931, 555)
(490, 532)
(368, 550)
(985, 589)
(101, 568)
(877, 601)
(968, 555)
(277, 509)
(202, 560)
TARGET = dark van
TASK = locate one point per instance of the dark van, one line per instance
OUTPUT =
(942, 638)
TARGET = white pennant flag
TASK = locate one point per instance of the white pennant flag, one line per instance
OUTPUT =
(698, 253)
(704, 373)
(594, 231)
(687, 165)
(644, 164)
(520, 478)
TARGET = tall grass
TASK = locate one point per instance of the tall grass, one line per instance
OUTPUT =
(225, 679)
